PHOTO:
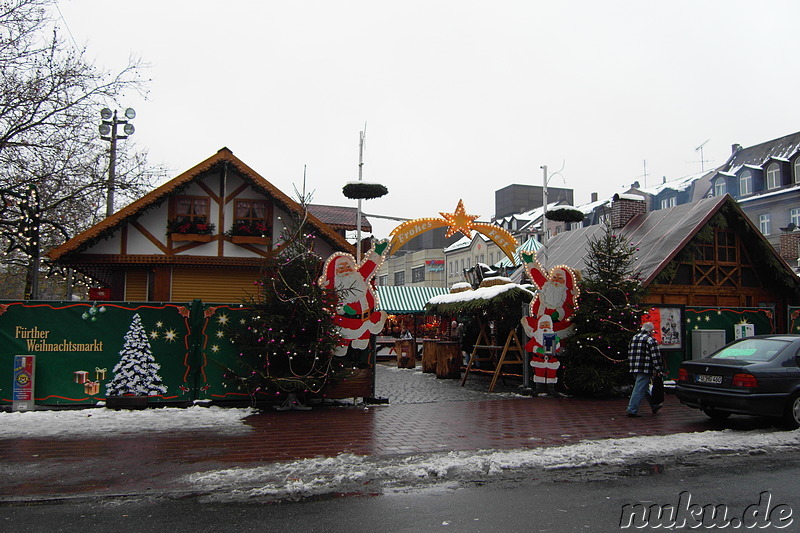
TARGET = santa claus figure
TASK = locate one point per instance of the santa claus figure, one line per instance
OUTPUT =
(556, 297)
(355, 313)
(544, 346)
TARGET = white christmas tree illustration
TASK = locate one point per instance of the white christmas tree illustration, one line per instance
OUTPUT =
(137, 370)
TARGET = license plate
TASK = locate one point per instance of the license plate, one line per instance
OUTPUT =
(705, 378)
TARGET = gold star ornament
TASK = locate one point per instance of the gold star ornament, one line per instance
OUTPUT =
(459, 221)
(456, 221)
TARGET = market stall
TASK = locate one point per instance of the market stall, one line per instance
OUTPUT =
(406, 309)
(489, 316)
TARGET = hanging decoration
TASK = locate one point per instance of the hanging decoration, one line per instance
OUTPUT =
(564, 214)
(355, 314)
(457, 221)
(361, 190)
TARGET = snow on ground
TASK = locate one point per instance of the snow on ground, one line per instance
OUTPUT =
(358, 474)
(108, 422)
(350, 473)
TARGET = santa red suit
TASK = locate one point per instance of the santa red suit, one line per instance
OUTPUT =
(355, 314)
(544, 346)
(556, 296)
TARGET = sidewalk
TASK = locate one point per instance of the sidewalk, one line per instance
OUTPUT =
(424, 414)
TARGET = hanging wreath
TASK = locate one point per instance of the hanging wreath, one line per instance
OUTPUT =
(564, 214)
(360, 190)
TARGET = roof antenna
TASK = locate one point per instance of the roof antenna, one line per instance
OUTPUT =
(702, 159)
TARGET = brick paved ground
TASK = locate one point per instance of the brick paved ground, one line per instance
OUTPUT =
(425, 414)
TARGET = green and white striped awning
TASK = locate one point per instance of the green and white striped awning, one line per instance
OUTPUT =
(406, 300)
(531, 245)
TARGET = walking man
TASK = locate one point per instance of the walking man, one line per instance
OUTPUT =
(645, 362)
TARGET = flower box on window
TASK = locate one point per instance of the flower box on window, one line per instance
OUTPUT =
(190, 229)
(249, 239)
(249, 231)
(196, 237)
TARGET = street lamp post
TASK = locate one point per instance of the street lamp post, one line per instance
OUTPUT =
(108, 132)
(546, 179)
(544, 207)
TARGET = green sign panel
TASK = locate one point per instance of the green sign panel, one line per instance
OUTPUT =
(78, 346)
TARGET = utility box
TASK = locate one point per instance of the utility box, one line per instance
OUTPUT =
(707, 341)
(741, 331)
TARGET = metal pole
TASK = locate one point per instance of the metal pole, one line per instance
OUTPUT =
(358, 210)
(544, 207)
(111, 164)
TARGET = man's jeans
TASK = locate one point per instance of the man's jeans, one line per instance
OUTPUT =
(640, 391)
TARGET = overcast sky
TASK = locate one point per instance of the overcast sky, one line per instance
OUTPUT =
(459, 97)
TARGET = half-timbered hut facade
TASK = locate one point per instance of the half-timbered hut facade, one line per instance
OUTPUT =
(203, 235)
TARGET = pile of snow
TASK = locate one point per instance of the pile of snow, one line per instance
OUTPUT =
(108, 422)
(353, 473)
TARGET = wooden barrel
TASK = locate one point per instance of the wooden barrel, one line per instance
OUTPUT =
(406, 350)
(429, 355)
(448, 360)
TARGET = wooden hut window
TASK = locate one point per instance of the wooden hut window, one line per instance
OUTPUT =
(726, 247)
(252, 217)
(192, 208)
(251, 210)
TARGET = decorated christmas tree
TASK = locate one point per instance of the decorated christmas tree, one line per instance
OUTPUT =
(607, 317)
(137, 371)
(287, 336)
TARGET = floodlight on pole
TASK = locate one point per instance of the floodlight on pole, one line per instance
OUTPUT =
(108, 132)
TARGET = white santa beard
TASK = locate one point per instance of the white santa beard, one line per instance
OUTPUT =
(351, 286)
(553, 296)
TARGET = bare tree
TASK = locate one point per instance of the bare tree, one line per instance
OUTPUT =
(50, 96)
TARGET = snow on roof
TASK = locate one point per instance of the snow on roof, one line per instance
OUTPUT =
(591, 206)
(767, 194)
(679, 184)
(481, 293)
(463, 242)
(631, 196)
(530, 216)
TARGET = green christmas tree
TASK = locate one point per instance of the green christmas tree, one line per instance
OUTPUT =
(606, 318)
(287, 335)
(137, 371)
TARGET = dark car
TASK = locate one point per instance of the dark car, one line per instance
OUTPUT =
(752, 376)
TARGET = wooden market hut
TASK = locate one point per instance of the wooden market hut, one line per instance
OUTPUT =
(202, 235)
(498, 302)
(706, 253)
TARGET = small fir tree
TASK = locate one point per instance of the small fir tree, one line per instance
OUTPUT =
(606, 318)
(287, 334)
(137, 370)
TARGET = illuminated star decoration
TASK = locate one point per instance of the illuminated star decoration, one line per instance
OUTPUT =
(459, 221)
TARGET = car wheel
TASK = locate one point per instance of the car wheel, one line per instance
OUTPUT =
(713, 414)
(791, 417)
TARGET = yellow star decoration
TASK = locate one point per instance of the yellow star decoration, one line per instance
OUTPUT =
(220, 334)
(215, 348)
(170, 335)
(459, 221)
(223, 319)
(159, 324)
(154, 334)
